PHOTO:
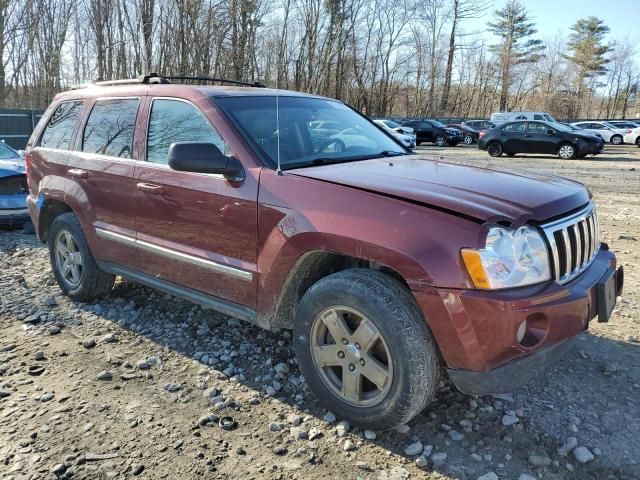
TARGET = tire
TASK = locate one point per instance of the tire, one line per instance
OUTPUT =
(494, 149)
(567, 151)
(617, 140)
(638, 141)
(89, 281)
(440, 141)
(468, 140)
(412, 363)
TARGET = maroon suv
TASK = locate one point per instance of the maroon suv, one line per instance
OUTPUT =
(391, 269)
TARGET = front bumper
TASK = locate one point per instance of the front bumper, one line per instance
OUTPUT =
(13, 209)
(476, 329)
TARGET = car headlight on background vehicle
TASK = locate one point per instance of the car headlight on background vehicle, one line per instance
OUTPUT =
(510, 258)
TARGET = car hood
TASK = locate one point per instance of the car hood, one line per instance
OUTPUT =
(481, 194)
(588, 136)
(10, 168)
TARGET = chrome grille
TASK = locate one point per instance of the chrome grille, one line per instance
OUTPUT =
(574, 242)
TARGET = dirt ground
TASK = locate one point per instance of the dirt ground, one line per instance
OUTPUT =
(133, 385)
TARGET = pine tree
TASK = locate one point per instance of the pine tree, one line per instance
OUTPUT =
(517, 45)
(589, 51)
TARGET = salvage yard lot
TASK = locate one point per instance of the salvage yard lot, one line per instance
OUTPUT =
(131, 385)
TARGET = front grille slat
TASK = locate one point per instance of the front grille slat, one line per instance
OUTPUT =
(573, 243)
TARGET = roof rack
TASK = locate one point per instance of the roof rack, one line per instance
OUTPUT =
(154, 78)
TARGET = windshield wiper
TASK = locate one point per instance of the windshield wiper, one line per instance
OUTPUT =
(391, 153)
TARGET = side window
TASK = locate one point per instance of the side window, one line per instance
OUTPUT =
(109, 129)
(538, 117)
(426, 126)
(537, 127)
(176, 121)
(58, 132)
(514, 127)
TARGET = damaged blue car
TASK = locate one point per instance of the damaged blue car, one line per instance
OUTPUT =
(13, 187)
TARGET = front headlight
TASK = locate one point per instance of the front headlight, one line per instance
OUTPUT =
(511, 258)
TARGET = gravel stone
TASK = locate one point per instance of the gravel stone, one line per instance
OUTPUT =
(414, 449)
(583, 455)
(89, 343)
(105, 375)
(569, 445)
(349, 446)
(489, 476)
(539, 460)
(508, 420)
(370, 435)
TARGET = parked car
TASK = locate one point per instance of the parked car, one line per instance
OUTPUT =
(632, 129)
(408, 140)
(578, 129)
(13, 187)
(480, 125)
(539, 137)
(434, 131)
(608, 132)
(470, 135)
(503, 117)
(393, 125)
(389, 268)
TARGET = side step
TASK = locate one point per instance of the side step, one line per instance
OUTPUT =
(223, 306)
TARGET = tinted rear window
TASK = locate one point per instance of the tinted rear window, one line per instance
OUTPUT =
(59, 130)
(109, 129)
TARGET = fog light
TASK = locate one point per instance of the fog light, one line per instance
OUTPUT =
(522, 330)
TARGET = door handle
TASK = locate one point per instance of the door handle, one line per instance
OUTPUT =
(78, 173)
(150, 188)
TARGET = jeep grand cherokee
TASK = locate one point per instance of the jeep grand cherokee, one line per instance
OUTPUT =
(391, 269)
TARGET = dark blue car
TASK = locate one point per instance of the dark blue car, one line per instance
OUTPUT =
(13, 187)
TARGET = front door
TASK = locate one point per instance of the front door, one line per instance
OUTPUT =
(539, 140)
(194, 230)
(426, 132)
(100, 172)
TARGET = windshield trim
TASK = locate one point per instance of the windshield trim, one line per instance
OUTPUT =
(264, 157)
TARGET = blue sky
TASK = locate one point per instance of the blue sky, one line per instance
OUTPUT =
(557, 16)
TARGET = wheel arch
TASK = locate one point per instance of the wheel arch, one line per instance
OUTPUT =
(51, 208)
(310, 268)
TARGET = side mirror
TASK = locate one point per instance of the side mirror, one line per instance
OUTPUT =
(204, 158)
(551, 132)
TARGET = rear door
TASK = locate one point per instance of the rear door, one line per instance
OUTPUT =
(100, 179)
(513, 138)
(193, 229)
(426, 132)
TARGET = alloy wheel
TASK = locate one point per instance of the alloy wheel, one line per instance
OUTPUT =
(616, 140)
(68, 258)
(440, 141)
(351, 356)
(468, 140)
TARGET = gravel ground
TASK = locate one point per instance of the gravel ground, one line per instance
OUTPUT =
(134, 385)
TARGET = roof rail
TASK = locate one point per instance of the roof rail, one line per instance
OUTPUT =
(154, 78)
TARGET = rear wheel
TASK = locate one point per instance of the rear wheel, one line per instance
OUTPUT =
(638, 141)
(468, 139)
(567, 151)
(347, 341)
(616, 140)
(440, 141)
(494, 149)
(73, 265)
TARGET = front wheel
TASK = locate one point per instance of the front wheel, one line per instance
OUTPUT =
(638, 141)
(73, 265)
(616, 140)
(365, 350)
(468, 139)
(494, 149)
(440, 141)
(567, 151)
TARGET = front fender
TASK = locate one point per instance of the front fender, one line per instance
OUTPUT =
(419, 243)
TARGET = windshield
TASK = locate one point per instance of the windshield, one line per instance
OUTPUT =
(312, 131)
(391, 124)
(438, 124)
(561, 127)
(7, 152)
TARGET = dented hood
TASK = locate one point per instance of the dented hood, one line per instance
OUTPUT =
(484, 194)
